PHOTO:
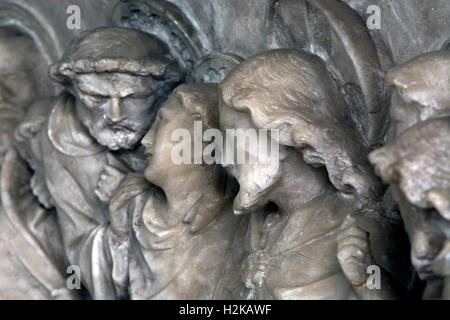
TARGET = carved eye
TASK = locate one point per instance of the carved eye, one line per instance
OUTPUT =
(141, 94)
(93, 100)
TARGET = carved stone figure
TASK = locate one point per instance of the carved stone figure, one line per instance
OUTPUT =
(81, 145)
(420, 90)
(415, 163)
(185, 242)
(88, 178)
(20, 84)
(298, 205)
(416, 166)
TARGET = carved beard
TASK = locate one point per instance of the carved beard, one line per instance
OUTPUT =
(115, 137)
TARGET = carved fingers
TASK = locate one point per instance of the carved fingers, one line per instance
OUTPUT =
(354, 252)
(109, 180)
(39, 189)
(131, 186)
(28, 130)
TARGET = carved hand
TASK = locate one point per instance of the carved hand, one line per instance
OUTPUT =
(39, 189)
(354, 252)
(132, 185)
(109, 180)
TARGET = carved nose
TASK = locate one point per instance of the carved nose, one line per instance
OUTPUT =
(114, 116)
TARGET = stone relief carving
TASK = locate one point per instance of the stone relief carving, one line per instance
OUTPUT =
(89, 180)
(18, 89)
(21, 68)
(335, 32)
(87, 127)
(316, 185)
(188, 45)
(185, 240)
(415, 162)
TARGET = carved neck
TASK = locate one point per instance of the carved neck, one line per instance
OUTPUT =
(184, 190)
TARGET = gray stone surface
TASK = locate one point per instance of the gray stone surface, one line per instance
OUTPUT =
(79, 188)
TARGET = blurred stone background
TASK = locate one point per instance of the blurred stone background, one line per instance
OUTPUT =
(408, 27)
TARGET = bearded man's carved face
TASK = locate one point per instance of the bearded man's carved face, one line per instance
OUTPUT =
(116, 108)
